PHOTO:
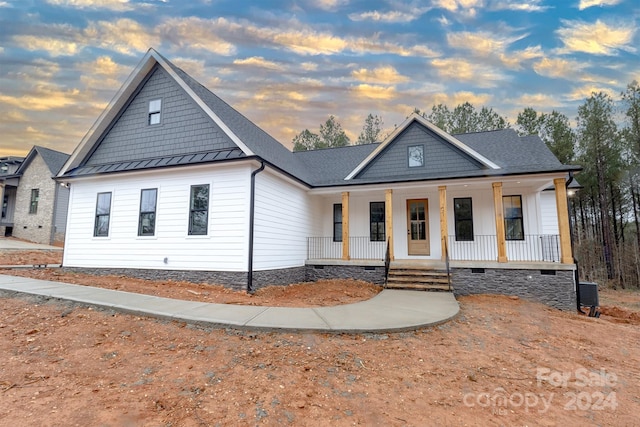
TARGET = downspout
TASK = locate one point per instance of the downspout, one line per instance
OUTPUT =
(252, 208)
(52, 234)
(573, 253)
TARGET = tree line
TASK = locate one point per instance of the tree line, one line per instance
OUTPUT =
(605, 212)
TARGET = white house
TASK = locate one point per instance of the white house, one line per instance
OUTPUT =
(173, 182)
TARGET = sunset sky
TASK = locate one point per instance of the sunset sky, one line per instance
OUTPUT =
(289, 64)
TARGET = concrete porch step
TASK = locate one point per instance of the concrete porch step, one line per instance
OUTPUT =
(419, 286)
(417, 277)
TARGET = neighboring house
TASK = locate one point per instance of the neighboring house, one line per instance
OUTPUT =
(35, 204)
(173, 182)
(8, 186)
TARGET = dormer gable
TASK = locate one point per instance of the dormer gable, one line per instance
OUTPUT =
(419, 149)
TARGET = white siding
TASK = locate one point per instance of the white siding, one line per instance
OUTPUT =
(285, 215)
(484, 245)
(548, 212)
(224, 248)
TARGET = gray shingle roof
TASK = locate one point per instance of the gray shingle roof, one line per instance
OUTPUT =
(257, 140)
(52, 158)
(329, 167)
(507, 149)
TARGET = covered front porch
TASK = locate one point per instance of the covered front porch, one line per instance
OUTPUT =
(483, 220)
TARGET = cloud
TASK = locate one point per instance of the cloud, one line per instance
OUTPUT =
(304, 40)
(196, 33)
(461, 97)
(463, 7)
(584, 92)
(42, 98)
(392, 16)
(483, 44)
(330, 5)
(558, 68)
(463, 70)
(539, 100)
(443, 21)
(193, 67)
(259, 61)
(375, 91)
(515, 59)
(116, 5)
(403, 13)
(309, 66)
(54, 47)
(39, 70)
(526, 6)
(124, 36)
(102, 73)
(385, 75)
(585, 4)
(597, 38)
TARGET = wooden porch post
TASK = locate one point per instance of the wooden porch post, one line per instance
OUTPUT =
(444, 229)
(499, 212)
(566, 257)
(388, 215)
(345, 225)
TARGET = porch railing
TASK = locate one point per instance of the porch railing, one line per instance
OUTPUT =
(534, 247)
(360, 247)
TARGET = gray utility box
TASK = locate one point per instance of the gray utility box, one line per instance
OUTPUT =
(589, 294)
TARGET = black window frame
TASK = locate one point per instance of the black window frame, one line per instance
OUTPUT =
(377, 228)
(193, 210)
(337, 225)
(143, 230)
(463, 220)
(99, 215)
(515, 219)
(155, 112)
(33, 204)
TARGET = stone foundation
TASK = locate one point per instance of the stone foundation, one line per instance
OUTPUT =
(236, 280)
(372, 274)
(555, 288)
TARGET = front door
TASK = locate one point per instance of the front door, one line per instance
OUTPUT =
(418, 226)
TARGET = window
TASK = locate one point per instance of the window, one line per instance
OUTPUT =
(513, 224)
(103, 213)
(199, 210)
(337, 222)
(147, 221)
(33, 206)
(416, 155)
(154, 111)
(376, 221)
(463, 216)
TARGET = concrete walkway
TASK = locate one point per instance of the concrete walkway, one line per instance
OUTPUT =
(21, 245)
(390, 310)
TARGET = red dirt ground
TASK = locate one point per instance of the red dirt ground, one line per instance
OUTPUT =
(501, 362)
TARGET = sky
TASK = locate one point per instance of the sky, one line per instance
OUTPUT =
(289, 64)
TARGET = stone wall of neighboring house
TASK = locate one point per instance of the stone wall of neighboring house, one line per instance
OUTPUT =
(35, 227)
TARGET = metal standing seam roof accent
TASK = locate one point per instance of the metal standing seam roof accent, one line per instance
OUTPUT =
(183, 159)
